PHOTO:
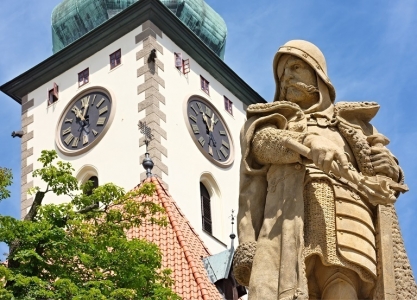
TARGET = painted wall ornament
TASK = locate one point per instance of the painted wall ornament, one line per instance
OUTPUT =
(316, 217)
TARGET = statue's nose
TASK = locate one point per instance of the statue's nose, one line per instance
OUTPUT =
(287, 75)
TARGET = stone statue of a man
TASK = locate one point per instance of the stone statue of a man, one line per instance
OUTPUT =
(305, 233)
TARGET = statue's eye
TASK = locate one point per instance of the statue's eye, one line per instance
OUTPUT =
(296, 67)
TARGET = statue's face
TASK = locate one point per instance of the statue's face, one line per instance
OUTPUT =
(298, 83)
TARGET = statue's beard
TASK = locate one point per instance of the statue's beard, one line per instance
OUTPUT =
(298, 92)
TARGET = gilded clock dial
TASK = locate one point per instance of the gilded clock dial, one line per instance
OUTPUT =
(209, 131)
(84, 121)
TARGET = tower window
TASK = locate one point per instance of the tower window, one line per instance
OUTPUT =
(186, 66)
(204, 85)
(178, 60)
(182, 65)
(205, 209)
(94, 180)
(53, 94)
(115, 59)
(83, 77)
(228, 105)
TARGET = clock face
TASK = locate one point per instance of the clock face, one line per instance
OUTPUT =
(84, 122)
(209, 132)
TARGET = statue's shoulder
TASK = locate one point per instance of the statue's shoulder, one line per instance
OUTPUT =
(281, 107)
(356, 116)
(360, 111)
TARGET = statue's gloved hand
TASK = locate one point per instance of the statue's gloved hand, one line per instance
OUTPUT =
(324, 152)
(242, 262)
(384, 163)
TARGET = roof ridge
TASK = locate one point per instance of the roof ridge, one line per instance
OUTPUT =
(167, 202)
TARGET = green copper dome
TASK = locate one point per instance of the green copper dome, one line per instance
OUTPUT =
(71, 19)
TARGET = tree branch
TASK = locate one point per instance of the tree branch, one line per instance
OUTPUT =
(35, 205)
(14, 245)
(88, 208)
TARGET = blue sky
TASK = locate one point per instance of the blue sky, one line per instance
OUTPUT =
(370, 48)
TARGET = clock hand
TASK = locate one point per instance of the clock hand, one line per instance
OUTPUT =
(85, 129)
(82, 120)
(211, 139)
(84, 116)
(77, 113)
(86, 108)
(80, 116)
(212, 123)
(206, 122)
(210, 128)
(81, 132)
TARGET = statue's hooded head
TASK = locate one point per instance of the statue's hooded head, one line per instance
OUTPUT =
(310, 54)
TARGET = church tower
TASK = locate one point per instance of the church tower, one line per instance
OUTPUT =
(119, 63)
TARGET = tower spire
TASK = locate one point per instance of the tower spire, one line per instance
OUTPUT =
(147, 162)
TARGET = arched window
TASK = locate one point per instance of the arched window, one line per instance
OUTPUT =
(212, 210)
(88, 173)
(94, 180)
(206, 209)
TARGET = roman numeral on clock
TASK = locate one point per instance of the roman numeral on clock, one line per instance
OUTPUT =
(75, 142)
(85, 139)
(75, 109)
(100, 102)
(224, 152)
(202, 141)
(222, 132)
(208, 112)
(192, 117)
(94, 98)
(94, 132)
(224, 143)
(193, 108)
(103, 110)
(66, 131)
(68, 139)
(85, 101)
(68, 120)
(210, 150)
(218, 154)
(195, 128)
(101, 120)
(200, 107)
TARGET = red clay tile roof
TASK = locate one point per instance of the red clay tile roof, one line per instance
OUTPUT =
(182, 249)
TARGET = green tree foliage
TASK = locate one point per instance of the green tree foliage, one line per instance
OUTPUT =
(79, 250)
(5, 180)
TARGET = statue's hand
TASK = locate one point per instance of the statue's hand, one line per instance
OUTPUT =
(324, 152)
(384, 163)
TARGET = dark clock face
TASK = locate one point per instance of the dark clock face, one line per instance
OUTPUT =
(83, 122)
(209, 132)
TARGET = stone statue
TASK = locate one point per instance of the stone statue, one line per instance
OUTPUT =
(316, 217)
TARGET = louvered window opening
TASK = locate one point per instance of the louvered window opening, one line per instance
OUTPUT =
(205, 209)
